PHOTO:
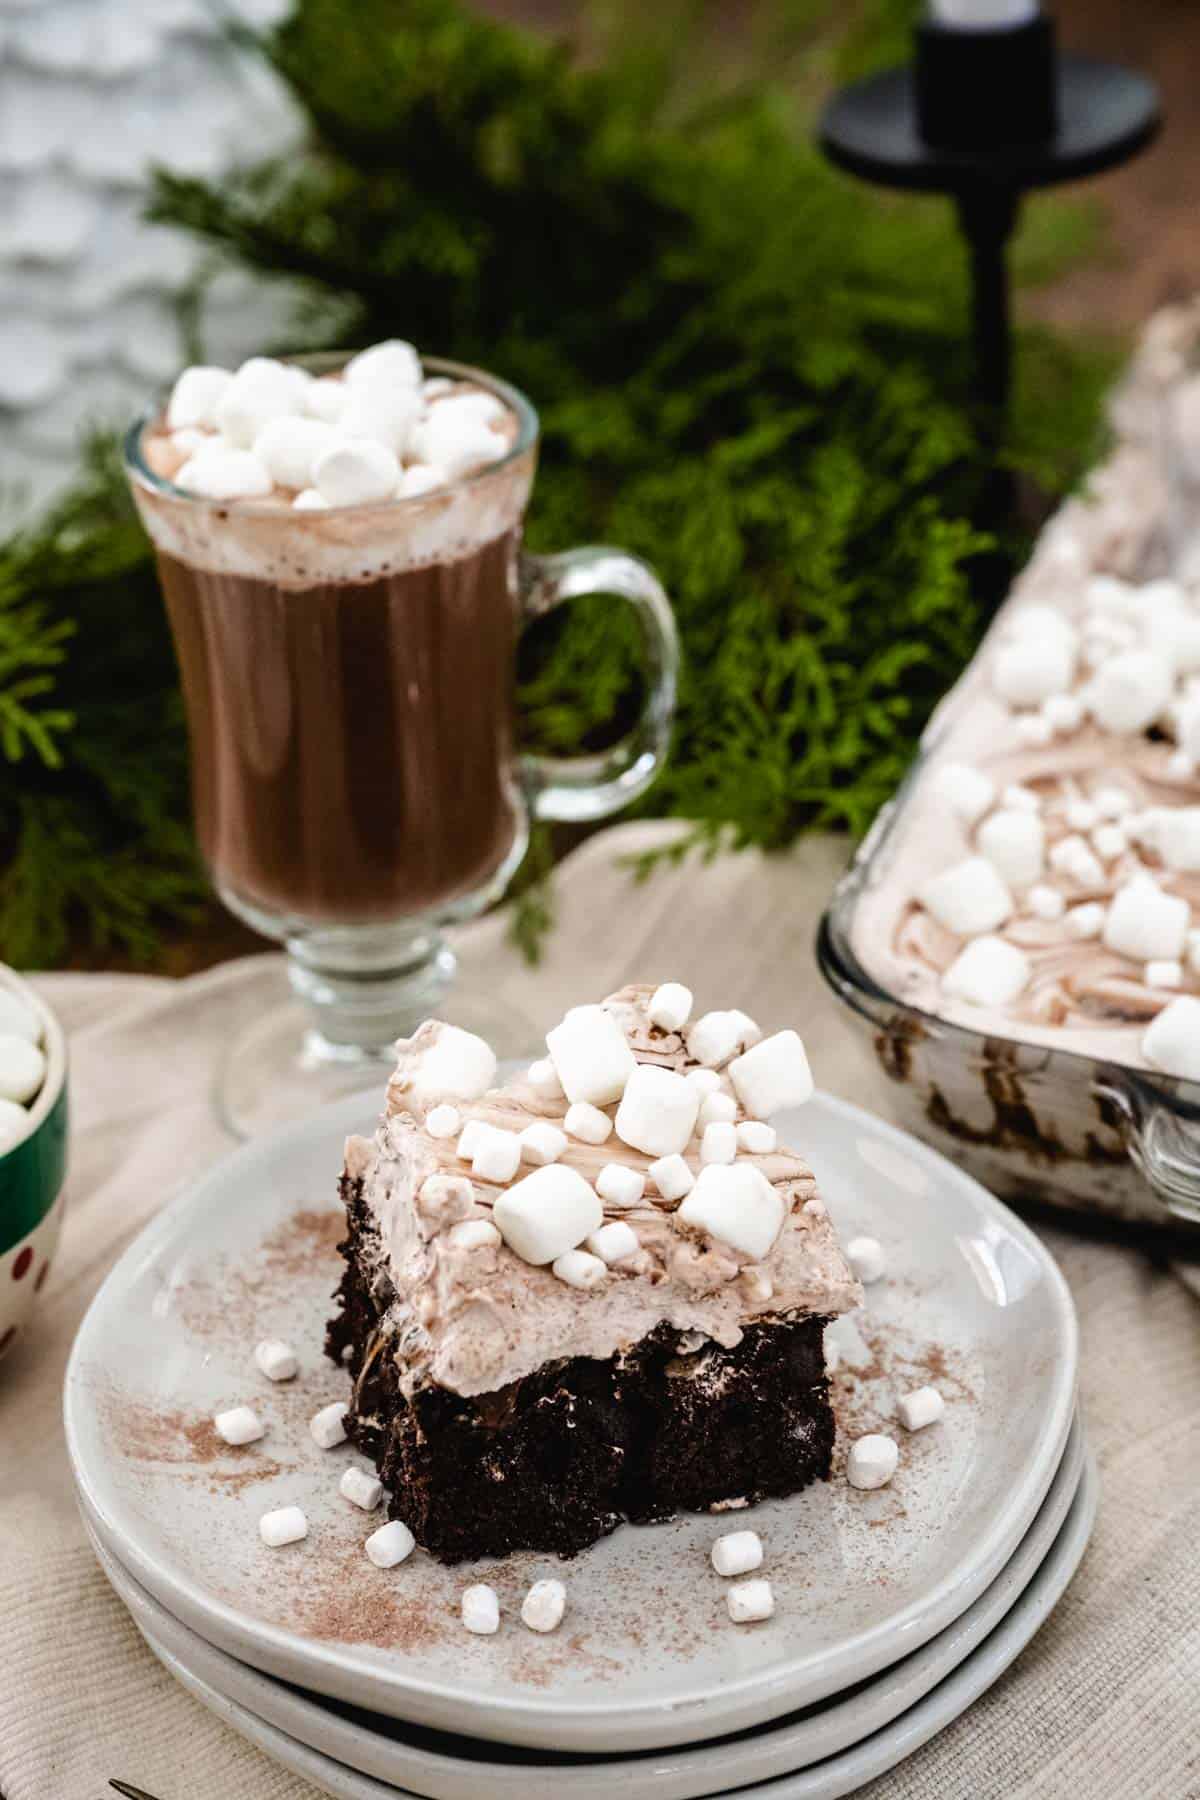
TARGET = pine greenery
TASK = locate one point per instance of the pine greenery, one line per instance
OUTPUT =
(749, 370)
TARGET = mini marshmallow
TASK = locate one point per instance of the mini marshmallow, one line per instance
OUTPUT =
(443, 1121)
(485, 408)
(543, 1606)
(749, 1601)
(543, 1079)
(719, 1143)
(749, 1032)
(547, 1213)
(393, 1543)
(1072, 857)
(14, 1121)
(620, 1185)
(989, 972)
(308, 500)
(1014, 842)
(360, 1488)
(772, 1075)
(285, 1525)
(1112, 802)
(457, 441)
(1174, 632)
(1031, 667)
(1146, 924)
(966, 791)
(392, 363)
(481, 1609)
(196, 396)
(872, 1461)
(1176, 837)
(716, 1037)
(17, 1019)
(658, 1111)
(1045, 903)
(22, 1067)
(220, 473)
(1034, 730)
(475, 1234)
(1181, 766)
(1063, 713)
(240, 1425)
(189, 440)
(737, 1205)
(542, 1143)
(420, 478)
(737, 1553)
(328, 1427)
(670, 1006)
(456, 1066)
(386, 415)
(924, 1406)
(324, 399)
(262, 390)
(587, 1123)
(1020, 799)
(865, 1256)
(288, 447)
(716, 1109)
(1082, 815)
(705, 1081)
(1084, 922)
(671, 1176)
(497, 1154)
(756, 1138)
(356, 472)
(1109, 842)
(613, 1243)
(1172, 1042)
(968, 899)
(1163, 974)
(277, 1360)
(591, 1057)
(469, 1139)
(579, 1268)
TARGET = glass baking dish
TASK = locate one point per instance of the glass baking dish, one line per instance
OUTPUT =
(1035, 1118)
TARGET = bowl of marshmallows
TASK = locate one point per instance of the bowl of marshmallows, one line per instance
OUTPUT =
(33, 1149)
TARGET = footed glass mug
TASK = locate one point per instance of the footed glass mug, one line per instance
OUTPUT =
(348, 676)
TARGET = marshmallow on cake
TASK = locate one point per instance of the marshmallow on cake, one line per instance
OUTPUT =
(606, 1327)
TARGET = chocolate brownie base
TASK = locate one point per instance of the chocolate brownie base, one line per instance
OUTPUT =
(556, 1460)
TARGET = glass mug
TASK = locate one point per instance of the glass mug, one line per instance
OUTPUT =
(348, 677)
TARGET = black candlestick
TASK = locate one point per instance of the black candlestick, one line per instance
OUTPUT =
(984, 116)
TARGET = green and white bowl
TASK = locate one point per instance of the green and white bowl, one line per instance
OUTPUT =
(33, 1162)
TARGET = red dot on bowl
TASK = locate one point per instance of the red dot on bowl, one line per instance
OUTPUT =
(6, 1338)
(41, 1278)
(23, 1264)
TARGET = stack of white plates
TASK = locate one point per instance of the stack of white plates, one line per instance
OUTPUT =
(894, 1609)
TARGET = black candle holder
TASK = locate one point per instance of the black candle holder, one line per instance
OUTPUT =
(984, 116)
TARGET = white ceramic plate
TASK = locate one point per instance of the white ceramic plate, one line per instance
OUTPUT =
(648, 1657)
(828, 1780)
(441, 1767)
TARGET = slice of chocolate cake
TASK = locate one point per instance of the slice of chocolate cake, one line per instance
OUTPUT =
(595, 1293)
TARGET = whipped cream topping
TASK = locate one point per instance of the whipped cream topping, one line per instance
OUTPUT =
(1081, 710)
(470, 1315)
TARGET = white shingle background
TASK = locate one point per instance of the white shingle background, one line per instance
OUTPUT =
(92, 93)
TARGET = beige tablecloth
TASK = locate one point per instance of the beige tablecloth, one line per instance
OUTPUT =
(1105, 1701)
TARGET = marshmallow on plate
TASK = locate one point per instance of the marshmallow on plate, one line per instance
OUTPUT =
(749, 1601)
(737, 1205)
(736, 1553)
(361, 1488)
(390, 1545)
(591, 1056)
(968, 899)
(658, 1111)
(1172, 1041)
(240, 1425)
(543, 1606)
(872, 1460)
(277, 1360)
(327, 1428)
(285, 1525)
(924, 1406)
(356, 472)
(989, 972)
(865, 1256)
(547, 1213)
(196, 396)
(481, 1609)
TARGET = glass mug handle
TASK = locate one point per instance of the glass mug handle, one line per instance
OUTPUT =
(579, 788)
